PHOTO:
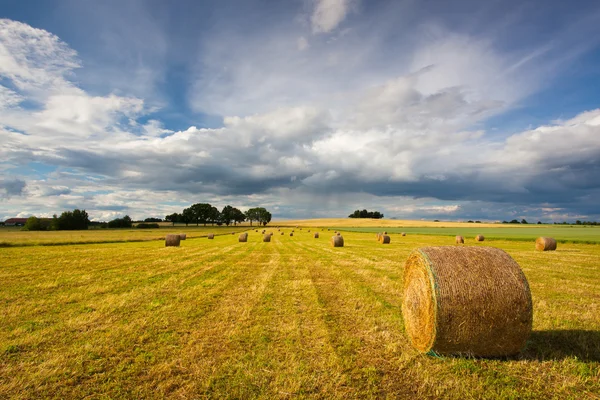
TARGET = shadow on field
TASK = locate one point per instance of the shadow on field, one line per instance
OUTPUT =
(560, 344)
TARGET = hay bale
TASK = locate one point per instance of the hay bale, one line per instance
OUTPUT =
(182, 236)
(545, 244)
(257, 230)
(266, 238)
(316, 235)
(172, 240)
(337, 241)
(337, 233)
(460, 239)
(291, 233)
(233, 233)
(211, 236)
(282, 233)
(466, 300)
(385, 239)
(403, 234)
(308, 230)
(385, 233)
(243, 237)
(479, 238)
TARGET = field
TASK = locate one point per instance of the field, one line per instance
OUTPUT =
(290, 318)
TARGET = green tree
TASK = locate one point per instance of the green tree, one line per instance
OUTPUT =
(201, 213)
(73, 220)
(259, 214)
(238, 216)
(173, 218)
(214, 217)
(36, 224)
(188, 215)
(124, 222)
(227, 215)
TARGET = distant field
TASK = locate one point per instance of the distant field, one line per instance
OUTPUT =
(16, 237)
(294, 318)
(562, 234)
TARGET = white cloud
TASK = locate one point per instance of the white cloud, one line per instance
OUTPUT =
(328, 14)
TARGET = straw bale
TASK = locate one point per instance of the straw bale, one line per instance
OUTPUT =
(172, 240)
(545, 244)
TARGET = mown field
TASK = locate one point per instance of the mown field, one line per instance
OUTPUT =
(290, 318)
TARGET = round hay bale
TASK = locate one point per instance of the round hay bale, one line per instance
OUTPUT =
(316, 235)
(266, 237)
(385, 233)
(233, 233)
(460, 239)
(282, 233)
(545, 244)
(243, 237)
(337, 233)
(403, 234)
(291, 233)
(479, 238)
(308, 230)
(466, 300)
(257, 230)
(337, 241)
(385, 239)
(172, 240)
(211, 236)
(182, 236)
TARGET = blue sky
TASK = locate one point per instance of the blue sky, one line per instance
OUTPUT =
(311, 108)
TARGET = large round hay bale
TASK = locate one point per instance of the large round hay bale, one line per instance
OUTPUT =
(243, 237)
(337, 233)
(282, 233)
(172, 240)
(479, 238)
(460, 239)
(211, 236)
(385, 239)
(316, 235)
(266, 237)
(291, 233)
(403, 234)
(257, 230)
(182, 236)
(466, 300)
(545, 244)
(337, 241)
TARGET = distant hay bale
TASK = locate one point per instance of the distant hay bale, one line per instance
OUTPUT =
(233, 233)
(308, 230)
(545, 244)
(266, 237)
(316, 235)
(291, 233)
(182, 236)
(460, 239)
(385, 239)
(337, 233)
(211, 236)
(257, 230)
(337, 241)
(243, 237)
(172, 240)
(385, 233)
(403, 234)
(479, 238)
(466, 300)
(282, 233)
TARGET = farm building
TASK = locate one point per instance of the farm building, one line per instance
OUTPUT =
(15, 222)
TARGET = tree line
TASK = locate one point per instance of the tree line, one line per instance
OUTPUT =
(205, 213)
(366, 214)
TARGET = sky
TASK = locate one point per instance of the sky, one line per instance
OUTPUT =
(470, 109)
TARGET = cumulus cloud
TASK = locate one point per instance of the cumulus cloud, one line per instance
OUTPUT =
(306, 127)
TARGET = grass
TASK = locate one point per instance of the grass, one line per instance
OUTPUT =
(290, 318)
(563, 234)
(10, 237)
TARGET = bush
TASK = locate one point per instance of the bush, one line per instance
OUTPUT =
(124, 222)
(37, 224)
(147, 226)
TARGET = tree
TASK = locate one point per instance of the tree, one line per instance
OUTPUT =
(366, 214)
(152, 219)
(73, 220)
(523, 221)
(124, 222)
(201, 212)
(227, 215)
(173, 218)
(188, 216)
(251, 215)
(238, 216)
(37, 224)
(214, 216)
(264, 217)
(514, 221)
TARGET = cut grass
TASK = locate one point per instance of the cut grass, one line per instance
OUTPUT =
(290, 318)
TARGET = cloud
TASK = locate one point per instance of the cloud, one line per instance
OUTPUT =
(344, 123)
(328, 14)
(11, 187)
